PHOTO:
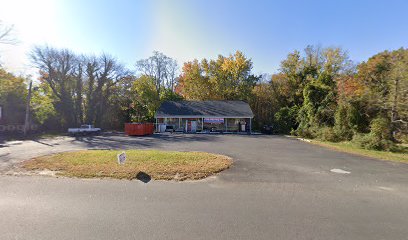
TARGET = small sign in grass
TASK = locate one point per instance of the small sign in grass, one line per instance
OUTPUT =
(159, 165)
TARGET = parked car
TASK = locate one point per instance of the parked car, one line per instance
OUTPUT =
(169, 128)
(267, 129)
(84, 130)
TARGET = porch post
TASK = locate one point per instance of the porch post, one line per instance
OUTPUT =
(202, 124)
(250, 125)
(179, 123)
(226, 124)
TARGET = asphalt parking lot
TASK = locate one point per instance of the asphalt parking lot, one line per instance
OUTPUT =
(277, 188)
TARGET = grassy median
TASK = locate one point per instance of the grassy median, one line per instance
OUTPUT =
(159, 165)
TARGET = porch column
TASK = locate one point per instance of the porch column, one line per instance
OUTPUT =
(250, 125)
(202, 124)
(226, 124)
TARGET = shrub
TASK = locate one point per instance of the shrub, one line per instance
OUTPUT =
(379, 138)
(328, 134)
(285, 119)
(342, 125)
(381, 128)
(371, 142)
(401, 137)
(304, 132)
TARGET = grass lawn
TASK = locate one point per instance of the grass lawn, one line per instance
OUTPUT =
(159, 165)
(349, 147)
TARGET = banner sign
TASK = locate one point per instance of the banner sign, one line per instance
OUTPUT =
(214, 120)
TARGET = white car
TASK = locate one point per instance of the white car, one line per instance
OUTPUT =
(84, 129)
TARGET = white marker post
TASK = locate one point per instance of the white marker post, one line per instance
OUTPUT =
(121, 158)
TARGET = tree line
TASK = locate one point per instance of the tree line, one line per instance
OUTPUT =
(316, 93)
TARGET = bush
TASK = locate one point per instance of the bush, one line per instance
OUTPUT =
(379, 138)
(371, 142)
(322, 133)
(328, 134)
(380, 127)
(304, 133)
(342, 125)
(285, 119)
(401, 137)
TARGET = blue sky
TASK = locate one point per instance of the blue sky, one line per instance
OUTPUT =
(265, 31)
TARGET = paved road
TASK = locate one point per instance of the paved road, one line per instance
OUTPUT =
(278, 188)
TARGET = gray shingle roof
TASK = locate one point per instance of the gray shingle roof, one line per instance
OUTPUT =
(204, 109)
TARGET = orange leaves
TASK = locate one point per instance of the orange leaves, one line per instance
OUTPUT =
(350, 86)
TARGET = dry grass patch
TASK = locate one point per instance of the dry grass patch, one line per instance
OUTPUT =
(159, 165)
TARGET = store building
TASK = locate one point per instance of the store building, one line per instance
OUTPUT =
(204, 116)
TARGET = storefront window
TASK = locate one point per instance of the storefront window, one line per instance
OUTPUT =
(232, 124)
(172, 122)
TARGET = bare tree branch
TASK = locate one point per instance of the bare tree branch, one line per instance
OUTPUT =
(6, 34)
(161, 68)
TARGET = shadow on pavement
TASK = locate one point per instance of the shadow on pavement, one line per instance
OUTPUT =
(144, 177)
(42, 142)
(121, 141)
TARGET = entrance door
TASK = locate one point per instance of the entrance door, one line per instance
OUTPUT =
(191, 126)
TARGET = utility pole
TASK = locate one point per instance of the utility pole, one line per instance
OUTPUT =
(27, 114)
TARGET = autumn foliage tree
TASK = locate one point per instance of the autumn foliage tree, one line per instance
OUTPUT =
(225, 78)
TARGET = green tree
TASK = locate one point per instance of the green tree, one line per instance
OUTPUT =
(13, 92)
(42, 105)
(146, 100)
(286, 119)
(322, 68)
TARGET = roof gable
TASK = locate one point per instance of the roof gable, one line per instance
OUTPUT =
(204, 109)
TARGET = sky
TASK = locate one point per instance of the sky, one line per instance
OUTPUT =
(265, 31)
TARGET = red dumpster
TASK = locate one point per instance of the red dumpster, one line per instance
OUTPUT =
(149, 128)
(139, 129)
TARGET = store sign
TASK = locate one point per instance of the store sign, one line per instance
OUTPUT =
(214, 120)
